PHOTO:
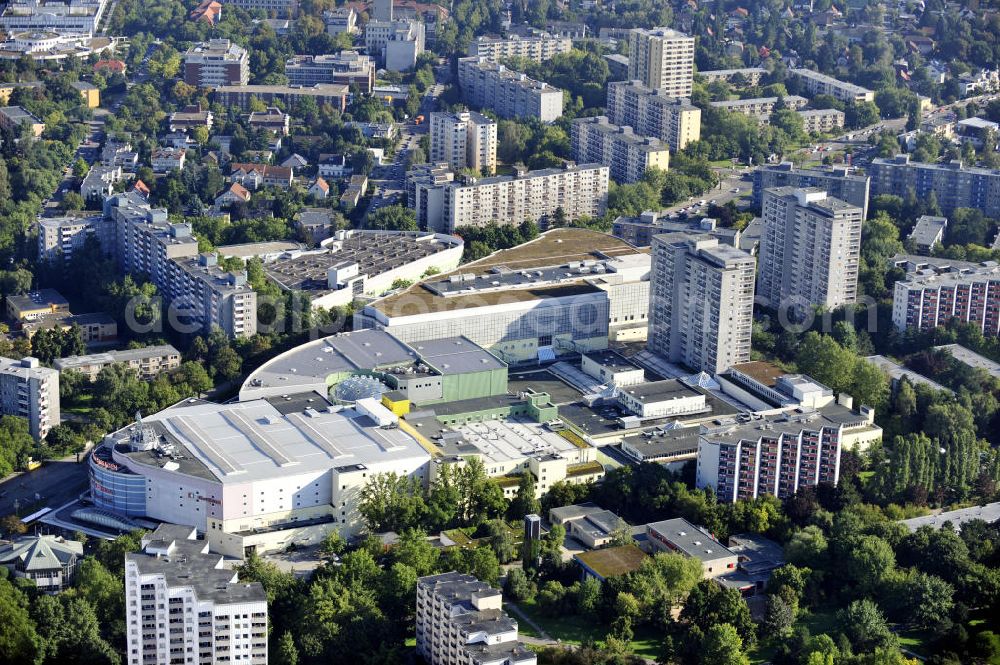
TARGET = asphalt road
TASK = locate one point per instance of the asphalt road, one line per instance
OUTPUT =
(390, 179)
(57, 483)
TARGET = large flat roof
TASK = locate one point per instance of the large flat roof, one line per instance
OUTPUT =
(989, 513)
(691, 540)
(246, 441)
(730, 430)
(613, 561)
(375, 253)
(306, 367)
(897, 371)
(504, 441)
(971, 358)
(456, 355)
(761, 371)
(553, 248)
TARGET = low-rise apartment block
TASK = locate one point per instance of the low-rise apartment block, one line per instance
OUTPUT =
(254, 176)
(534, 47)
(216, 62)
(180, 599)
(928, 232)
(760, 107)
(490, 85)
(460, 620)
(165, 160)
(625, 154)
(701, 302)
(30, 391)
(821, 121)
(810, 250)
(13, 118)
(816, 83)
(334, 94)
(578, 190)
(348, 68)
(750, 76)
(650, 112)
(94, 326)
(273, 120)
(954, 185)
(100, 182)
(147, 362)
(188, 118)
(840, 182)
(465, 139)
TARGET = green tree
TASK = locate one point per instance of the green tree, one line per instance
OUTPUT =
(867, 561)
(807, 546)
(723, 646)
(588, 597)
(390, 502)
(626, 611)
(517, 587)
(392, 218)
(15, 443)
(709, 605)
(524, 503)
(865, 626)
(662, 582)
(287, 653)
(72, 201)
(929, 600)
(779, 615)
(479, 496)
(19, 643)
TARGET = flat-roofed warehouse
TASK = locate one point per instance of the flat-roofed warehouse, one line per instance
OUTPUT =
(359, 263)
(425, 371)
(568, 291)
(256, 474)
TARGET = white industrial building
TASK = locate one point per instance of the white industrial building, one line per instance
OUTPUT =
(568, 291)
(255, 475)
(71, 17)
(354, 264)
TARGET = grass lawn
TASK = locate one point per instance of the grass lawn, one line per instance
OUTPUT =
(460, 538)
(568, 627)
(820, 620)
(647, 643)
(574, 629)
(83, 405)
(914, 640)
